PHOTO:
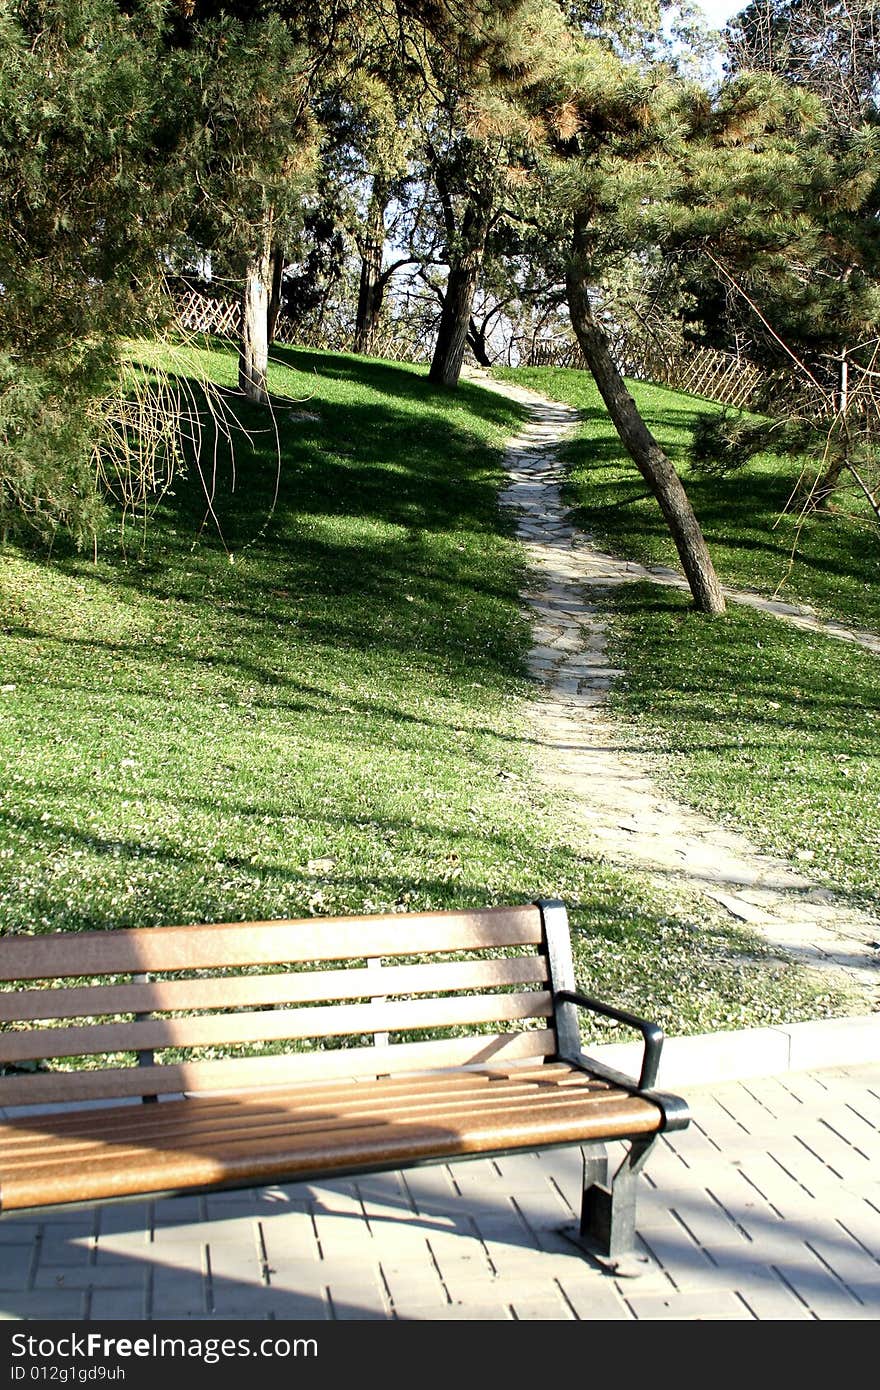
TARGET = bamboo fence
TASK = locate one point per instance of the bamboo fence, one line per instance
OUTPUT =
(716, 376)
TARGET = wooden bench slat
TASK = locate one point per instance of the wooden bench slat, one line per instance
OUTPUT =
(360, 1146)
(115, 1082)
(274, 1025)
(27, 1129)
(229, 944)
(285, 987)
(245, 1125)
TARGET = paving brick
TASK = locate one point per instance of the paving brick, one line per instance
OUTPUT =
(860, 1220)
(292, 1196)
(286, 1304)
(721, 1128)
(109, 1305)
(677, 1256)
(181, 1255)
(846, 1260)
(688, 1306)
(807, 1167)
(230, 1299)
(542, 1214)
(707, 1223)
(181, 1211)
(805, 1087)
(868, 1295)
(123, 1248)
(127, 1218)
(776, 1183)
(859, 1134)
(551, 1307)
(479, 1310)
(43, 1304)
(525, 1173)
(17, 1264)
(414, 1293)
(239, 1230)
(239, 1262)
(771, 1301)
(358, 1298)
(595, 1301)
(432, 1189)
(76, 1221)
(90, 1277)
(385, 1195)
(295, 1275)
(337, 1235)
(731, 1270)
(56, 1250)
(239, 1202)
(17, 1233)
(819, 1291)
(692, 1145)
(400, 1243)
(179, 1293)
(838, 1156)
(290, 1234)
(339, 1195)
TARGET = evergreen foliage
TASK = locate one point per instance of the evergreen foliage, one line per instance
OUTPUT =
(80, 231)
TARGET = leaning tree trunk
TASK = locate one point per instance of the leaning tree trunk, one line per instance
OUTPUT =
(371, 289)
(458, 301)
(253, 352)
(643, 448)
(477, 343)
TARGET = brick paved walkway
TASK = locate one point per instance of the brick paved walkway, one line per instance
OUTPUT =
(768, 1208)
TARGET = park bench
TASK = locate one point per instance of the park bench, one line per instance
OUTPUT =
(297, 1050)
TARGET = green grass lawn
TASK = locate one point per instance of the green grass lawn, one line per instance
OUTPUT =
(760, 725)
(323, 713)
(764, 727)
(829, 561)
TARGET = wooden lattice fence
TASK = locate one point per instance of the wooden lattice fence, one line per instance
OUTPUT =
(199, 313)
(717, 376)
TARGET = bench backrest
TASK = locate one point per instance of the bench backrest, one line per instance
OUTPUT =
(265, 993)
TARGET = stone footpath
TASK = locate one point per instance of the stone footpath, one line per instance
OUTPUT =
(614, 803)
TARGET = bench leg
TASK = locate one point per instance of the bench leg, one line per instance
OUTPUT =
(608, 1209)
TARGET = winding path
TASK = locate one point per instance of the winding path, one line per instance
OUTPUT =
(615, 805)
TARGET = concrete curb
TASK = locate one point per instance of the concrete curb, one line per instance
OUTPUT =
(709, 1058)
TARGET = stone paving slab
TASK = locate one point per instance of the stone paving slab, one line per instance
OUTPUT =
(767, 1208)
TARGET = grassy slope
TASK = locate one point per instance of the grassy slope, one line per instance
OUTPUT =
(831, 563)
(330, 721)
(762, 726)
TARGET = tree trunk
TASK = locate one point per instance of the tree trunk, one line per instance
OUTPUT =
(277, 268)
(643, 448)
(253, 356)
(477, 341)
(830, 480)
(458, 301)
(372, 286)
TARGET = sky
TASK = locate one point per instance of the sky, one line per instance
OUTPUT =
(717, 11)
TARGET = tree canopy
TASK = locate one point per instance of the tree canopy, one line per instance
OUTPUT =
(526, 158)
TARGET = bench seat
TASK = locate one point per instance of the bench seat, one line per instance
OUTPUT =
(306, 1131)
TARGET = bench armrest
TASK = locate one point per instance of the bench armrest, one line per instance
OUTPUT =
(652, 1033)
